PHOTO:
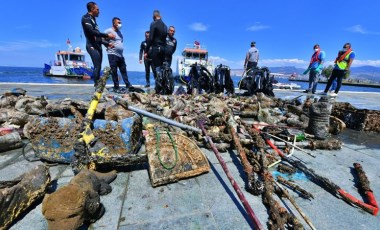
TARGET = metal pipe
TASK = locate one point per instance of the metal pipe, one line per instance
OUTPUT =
(119, 100)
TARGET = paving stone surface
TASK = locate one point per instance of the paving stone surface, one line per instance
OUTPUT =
(209, 201)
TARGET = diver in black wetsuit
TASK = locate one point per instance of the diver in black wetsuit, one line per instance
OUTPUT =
(147, 59)
(94, 38)
(157, 40)
(171, 45)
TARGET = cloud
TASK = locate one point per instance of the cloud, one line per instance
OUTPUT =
(360, 30)
(22, 27)
(218, 59)
(264, 62)
(257, 27)
(366, 62)
(357, 29)
(357, 63)
(198, 26)
(24, 45)
(284, 62)
(232, 64)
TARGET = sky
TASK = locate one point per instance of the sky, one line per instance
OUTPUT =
(285, 31)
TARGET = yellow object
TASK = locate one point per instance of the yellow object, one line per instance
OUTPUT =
(91, 166)
(343, 64)
(149, 126)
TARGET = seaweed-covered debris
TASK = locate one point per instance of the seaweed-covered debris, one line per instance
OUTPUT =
(17, 195)
(358, 119)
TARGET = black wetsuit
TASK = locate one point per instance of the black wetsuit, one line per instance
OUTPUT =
(147, 61)
(157, 40)
(94, 43)
(171, 46)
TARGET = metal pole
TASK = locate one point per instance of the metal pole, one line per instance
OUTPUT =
(238, 191)
(124, 103)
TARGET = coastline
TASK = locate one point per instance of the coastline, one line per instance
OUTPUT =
(359, 99)
(343, 83)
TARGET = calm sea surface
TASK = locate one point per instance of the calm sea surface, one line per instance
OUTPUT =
(34, 75)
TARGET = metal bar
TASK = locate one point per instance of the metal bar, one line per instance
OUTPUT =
(119, 100)
(290, 198)
(238, 191)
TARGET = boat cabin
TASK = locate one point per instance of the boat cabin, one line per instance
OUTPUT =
(75, 58)
(192, 55)
(195, 54)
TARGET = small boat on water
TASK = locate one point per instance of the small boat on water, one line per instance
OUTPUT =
(290, 86)
(69, 64)
(191, 55)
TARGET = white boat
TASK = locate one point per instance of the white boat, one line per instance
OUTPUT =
(71, 64)
(191, 55)
(286, 86)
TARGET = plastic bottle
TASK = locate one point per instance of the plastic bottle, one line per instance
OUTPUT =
(299, 135)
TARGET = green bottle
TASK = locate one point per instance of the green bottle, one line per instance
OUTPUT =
(299, 135)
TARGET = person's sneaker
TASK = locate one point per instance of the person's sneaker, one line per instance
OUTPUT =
(333, 94)
(306, 91)
(118, 90)
(147, 86)
(322, 93)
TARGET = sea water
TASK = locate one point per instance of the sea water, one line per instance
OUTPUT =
(34, 75)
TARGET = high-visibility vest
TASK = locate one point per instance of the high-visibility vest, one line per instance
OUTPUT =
(343, 64)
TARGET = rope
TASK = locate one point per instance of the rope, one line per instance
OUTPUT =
(168, 167)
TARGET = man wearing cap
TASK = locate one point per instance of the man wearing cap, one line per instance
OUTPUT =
(252, 57)
(315, 68)
(342, 64)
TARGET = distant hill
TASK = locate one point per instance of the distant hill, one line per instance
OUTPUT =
(362, 72)
(287, 70)
(365, 69)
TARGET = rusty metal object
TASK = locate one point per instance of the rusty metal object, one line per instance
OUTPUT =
(358, 119)
(286, 194)
(364, 186)
(18, 195)
(294, 187)
(173, 157)
(238, 191)
(330, 144)
(286, 169)
(279, 217)
(248, 169)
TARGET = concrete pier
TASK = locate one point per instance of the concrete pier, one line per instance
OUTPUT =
(209, 201)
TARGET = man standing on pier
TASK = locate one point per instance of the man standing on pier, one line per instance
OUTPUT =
(342, 65)
(95, 39)
(171, 45)
(147, 58)
(252, 57)
(115, 55)
(157, 40)
(315, 68)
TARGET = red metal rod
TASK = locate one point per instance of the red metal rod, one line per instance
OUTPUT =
(238, 191)
(353, 200)
(373, 209)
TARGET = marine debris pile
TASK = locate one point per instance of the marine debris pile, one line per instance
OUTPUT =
(263, 130)
(358, 119)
